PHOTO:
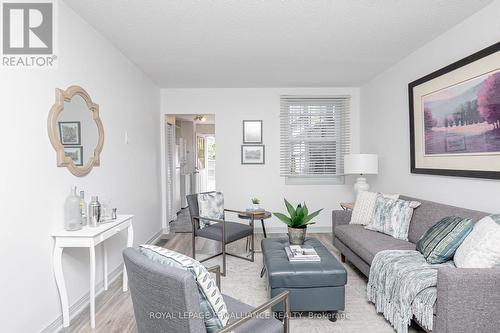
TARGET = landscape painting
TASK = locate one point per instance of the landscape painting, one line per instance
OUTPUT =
(464, 118)
(455, 118)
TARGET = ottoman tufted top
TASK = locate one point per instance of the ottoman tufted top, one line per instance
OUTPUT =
(285, 274)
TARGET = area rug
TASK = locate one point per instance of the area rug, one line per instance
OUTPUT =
(244, 283)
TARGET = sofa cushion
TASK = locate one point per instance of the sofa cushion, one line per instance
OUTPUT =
(364, 207)
(481, 248)
(366, 243)
(440, 242)
(430, 212)
(392, 216)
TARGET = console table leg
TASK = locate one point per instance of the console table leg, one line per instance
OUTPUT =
(130, 242)
(263, 228)
(92, 286)
(61, 285)
(105, 261)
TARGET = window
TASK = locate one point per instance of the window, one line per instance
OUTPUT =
(315, 136)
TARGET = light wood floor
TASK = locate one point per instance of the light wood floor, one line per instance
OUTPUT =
(114, 312)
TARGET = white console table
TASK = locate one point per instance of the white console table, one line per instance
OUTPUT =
(89, 237)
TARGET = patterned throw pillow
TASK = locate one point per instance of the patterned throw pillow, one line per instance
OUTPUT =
(392, 216)
(439, 243)
(481, 249)
(211, 205)
(212, 304)
(364, 207)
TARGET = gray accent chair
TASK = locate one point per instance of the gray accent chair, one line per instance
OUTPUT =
(223, 231)
(166, 299)
(467, 298)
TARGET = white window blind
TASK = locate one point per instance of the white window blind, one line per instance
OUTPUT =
(315, 136)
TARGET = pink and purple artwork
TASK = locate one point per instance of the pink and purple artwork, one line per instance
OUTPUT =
(464, 118)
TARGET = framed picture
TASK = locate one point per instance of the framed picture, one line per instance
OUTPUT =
(252, 131)
(253, 154)
(76, 154)
(455, 118)
(69, 132)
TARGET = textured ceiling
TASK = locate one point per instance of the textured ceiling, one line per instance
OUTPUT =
(272, 43)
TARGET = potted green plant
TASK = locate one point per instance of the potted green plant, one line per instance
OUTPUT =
(255, 203)
(297, 222)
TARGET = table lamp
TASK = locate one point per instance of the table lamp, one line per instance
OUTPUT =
(361, 164)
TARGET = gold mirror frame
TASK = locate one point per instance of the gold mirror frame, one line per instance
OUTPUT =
(58, 107)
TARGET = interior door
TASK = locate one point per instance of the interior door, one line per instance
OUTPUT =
(201, 163)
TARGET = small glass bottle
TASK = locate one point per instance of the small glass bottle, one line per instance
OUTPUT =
(72, 213)
(83, 207)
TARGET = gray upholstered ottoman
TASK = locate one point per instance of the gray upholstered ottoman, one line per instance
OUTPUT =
(313, 286)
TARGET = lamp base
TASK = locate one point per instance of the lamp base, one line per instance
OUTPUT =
(361, 185)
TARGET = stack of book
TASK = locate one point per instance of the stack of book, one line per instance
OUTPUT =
(297, 253)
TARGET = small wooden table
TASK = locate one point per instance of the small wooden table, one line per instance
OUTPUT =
(260, 217)
(347, 205)
(89, 237)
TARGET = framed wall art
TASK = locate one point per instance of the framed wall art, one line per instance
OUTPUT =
(252, 131)
(69, 132)
(455, 118)
(252, 154)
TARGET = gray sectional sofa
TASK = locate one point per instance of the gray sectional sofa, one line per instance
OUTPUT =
(468, 299)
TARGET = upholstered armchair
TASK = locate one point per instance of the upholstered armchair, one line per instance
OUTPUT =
(166, 299)
(218, 228)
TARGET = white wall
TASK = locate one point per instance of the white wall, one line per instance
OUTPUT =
(384, 116)
(242, 182)
(33, 189)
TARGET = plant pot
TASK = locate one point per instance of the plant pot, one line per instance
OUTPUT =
(296, 236)
(256, 207)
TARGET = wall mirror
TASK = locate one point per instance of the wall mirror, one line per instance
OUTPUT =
(76, 131)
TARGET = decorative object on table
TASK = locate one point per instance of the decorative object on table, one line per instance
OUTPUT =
(297, 253)
(83, 208)
(439, 243)
(252, 154)
(94, 212)
(362, 212)
(256, 204)
(455, 118)
(361, 164)
(70, 133)
(392, 216)
(74, 106)
(72, 212)
(114, 215)
(252, 131)
(75, 153)
(297, 222)
(481, 248)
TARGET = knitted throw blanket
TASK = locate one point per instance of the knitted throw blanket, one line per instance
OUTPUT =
(402, 285)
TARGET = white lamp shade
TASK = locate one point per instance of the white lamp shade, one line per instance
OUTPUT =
(361, 164)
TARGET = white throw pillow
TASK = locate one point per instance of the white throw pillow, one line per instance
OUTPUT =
(364, 207)
(481, 248)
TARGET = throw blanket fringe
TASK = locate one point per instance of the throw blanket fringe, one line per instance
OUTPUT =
(397, 279)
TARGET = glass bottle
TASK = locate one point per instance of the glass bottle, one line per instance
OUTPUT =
(72, 213)
(83, 207)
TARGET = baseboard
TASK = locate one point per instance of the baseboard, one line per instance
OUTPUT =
(81, 304)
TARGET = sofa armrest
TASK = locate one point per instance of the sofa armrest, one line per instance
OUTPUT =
(467, 300)
(340, 217)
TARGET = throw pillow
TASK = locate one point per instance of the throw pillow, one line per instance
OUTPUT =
(211, 205)
(439, 243)
(481, 249)
(392, 216)
(364, 207)
(212, 304)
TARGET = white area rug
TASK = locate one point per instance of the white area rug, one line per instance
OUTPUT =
(243, 282)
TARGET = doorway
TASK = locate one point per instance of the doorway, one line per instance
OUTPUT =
(190, 163)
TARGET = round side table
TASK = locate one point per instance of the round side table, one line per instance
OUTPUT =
(260, 217)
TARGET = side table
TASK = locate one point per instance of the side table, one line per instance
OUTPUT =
(260, 217)
(347, 205)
